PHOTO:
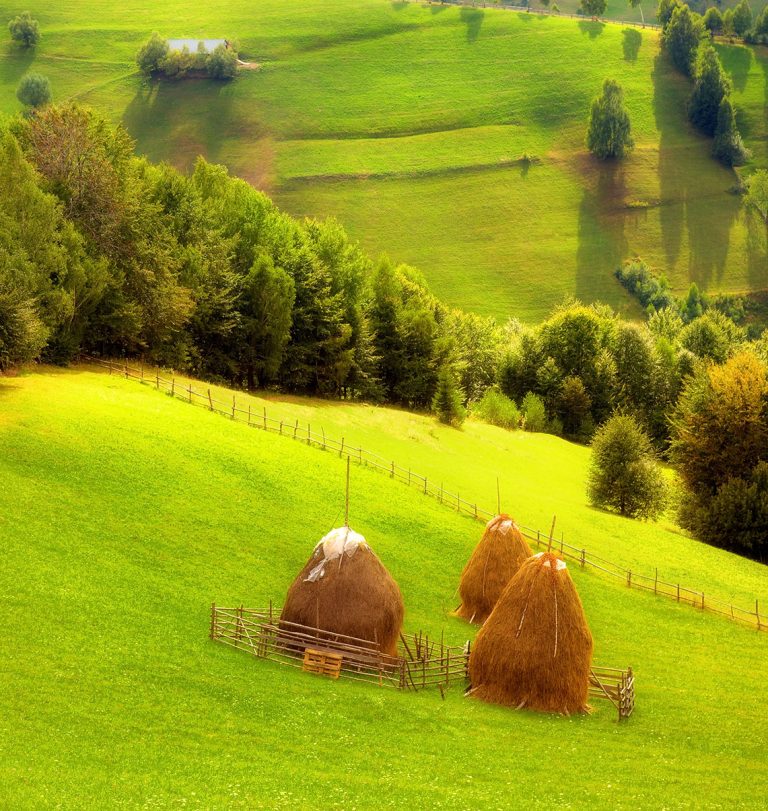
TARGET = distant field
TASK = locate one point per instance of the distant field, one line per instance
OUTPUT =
(124, 514)
(408, 124)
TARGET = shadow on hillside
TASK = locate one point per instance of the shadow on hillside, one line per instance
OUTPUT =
(686, 169)
(602, 243)
(632, 39)
(17, 63)
(175, 121)
(399, 5)
(737, 60)
(473, 17)
(757, 250)
(591, 27)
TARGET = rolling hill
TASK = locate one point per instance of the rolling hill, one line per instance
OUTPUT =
(125, 513)
(410, 124)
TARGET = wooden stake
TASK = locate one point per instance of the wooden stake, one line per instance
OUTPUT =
(346, 502)
(551, 533)
(498, 497)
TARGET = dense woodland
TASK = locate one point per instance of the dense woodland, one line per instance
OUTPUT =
(105, 252)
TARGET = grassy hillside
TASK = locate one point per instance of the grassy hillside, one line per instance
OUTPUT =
(125, 513)
(408, 123)
(540, 475)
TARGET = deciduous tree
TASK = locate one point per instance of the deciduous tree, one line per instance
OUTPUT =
(608, 134)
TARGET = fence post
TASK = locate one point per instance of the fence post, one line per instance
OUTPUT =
(323, 430)
(190, 392)
(173, 387)
(757, 614)
(562, 543)
(678, 592)
(341, 450)
(281, 427)
(702, 600)
(425, 485)
(629, 578)
(210, 399)
(475, 510)
(157, 379)
(213, 620)
(309, 434)
(583, 558)
(392, 473)
(249, 413)
(233, 406)
(265, 418)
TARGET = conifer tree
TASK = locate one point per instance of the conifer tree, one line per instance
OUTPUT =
(728, 148)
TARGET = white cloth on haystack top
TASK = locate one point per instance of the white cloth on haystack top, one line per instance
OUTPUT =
(559, 566)
(338, 542)
(504, 527)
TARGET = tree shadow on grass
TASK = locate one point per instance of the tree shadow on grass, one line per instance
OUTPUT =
(737, 60)
(175, 121)
(632, 39)
(602, 243)
(16, 63)
(473, 17)
(592, 27)
(399, 5)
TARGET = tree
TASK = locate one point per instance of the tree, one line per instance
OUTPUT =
(637, 4)
(623, 475)
(761, 23)
(728, 21)
(22, 334)
(681, 38)
(222, 63)
(710, 87)
(728, 147)
(608, 135)
(757, 193)
(34, 90)
(742, 18)
(713, 336)
(534, 413)
(152, 54)
(573, 406)
(24, 29)
(594, 8)
(713, 20)
(664, 11)
(447, 400)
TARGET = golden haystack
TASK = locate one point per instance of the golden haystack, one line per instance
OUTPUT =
(495, 561)
(345, 589)
(535, 650)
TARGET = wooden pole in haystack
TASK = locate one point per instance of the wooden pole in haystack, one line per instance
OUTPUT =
(498, 497)
(551, 533)
(346, 501)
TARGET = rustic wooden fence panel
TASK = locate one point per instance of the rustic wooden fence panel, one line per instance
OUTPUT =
(293, 429)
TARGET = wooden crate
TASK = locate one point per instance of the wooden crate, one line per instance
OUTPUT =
(323, 662)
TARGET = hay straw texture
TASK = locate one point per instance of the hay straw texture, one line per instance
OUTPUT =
(355, 595)
(495, 561)
(535, 650)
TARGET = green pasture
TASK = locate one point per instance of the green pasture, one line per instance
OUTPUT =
(408, 123)
(124, 514)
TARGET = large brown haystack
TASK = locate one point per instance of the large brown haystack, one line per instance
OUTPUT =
(495, 561)
(345, 589)
(535, 650)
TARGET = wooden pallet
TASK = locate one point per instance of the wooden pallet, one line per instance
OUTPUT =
(322, 662)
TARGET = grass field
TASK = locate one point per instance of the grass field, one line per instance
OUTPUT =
(124, 514)
(408, 124)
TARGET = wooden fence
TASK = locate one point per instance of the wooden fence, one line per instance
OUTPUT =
(258, 418)
(421, 662)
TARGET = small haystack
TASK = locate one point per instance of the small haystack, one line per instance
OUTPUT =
(535, 650)
(495, 561)
(345, 589)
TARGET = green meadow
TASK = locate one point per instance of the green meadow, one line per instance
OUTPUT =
(125, 513)
(410, 123)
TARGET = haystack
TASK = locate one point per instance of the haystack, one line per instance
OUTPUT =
(345, 589)
(535, 650)
(495, 561)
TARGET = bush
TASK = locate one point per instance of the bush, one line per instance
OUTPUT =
(24, 29)
(534, 413)
(713, 20)
(22, 334)
(624, 476)
(34, 90)
(152, 53)
(650, 290)
(222, 63)
(447, 401)
(496, 408)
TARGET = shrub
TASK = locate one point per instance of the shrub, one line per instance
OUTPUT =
(447, 401)
(152, 53)
(624, 476)
(24, 29)
(222, 63)
(534, 413)
(34, 90)
(650, 290)
(713, 20)
(498, 409)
